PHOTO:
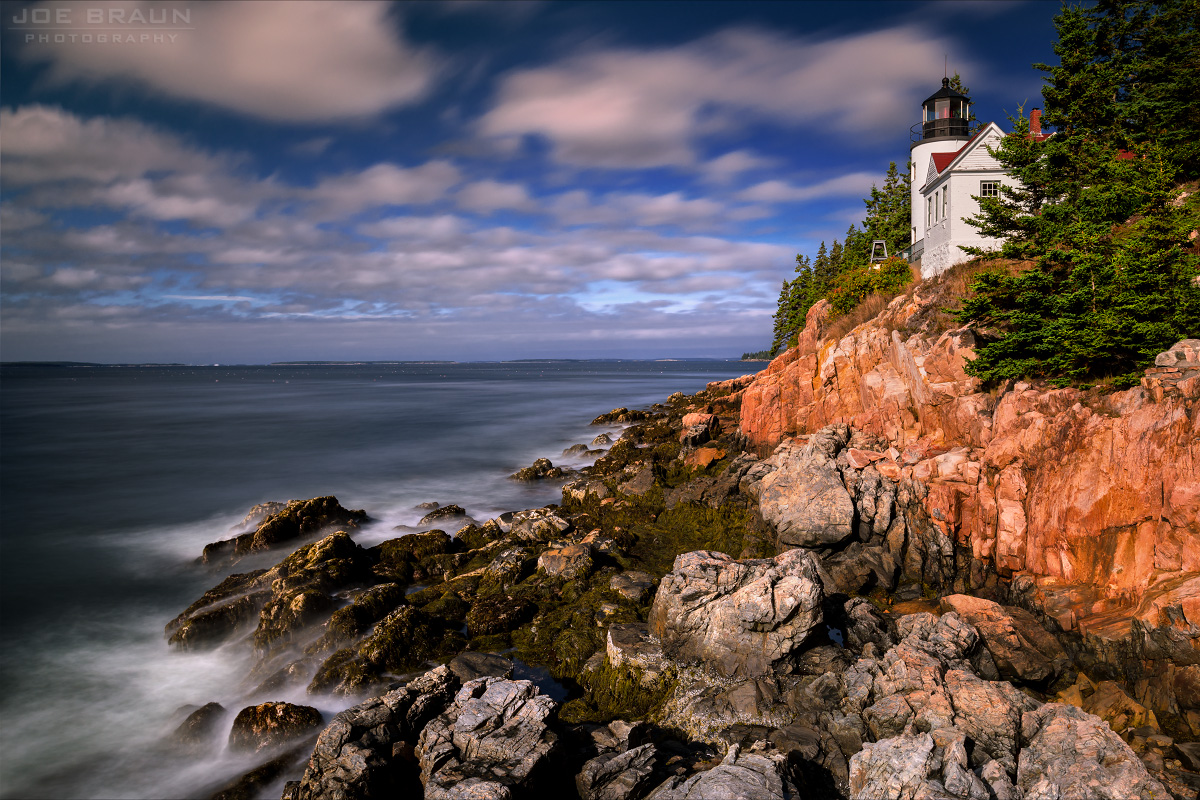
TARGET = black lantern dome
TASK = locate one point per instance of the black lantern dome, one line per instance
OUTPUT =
(944, 114)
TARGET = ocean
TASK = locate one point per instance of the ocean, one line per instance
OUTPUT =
(112, 479)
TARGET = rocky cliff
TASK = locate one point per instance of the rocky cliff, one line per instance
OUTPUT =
(1087, 501)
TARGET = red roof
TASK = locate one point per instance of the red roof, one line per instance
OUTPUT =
(942, 160)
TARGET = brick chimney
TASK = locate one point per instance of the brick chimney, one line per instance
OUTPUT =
(1035, 122)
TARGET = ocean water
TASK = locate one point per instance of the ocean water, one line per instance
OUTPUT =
(112, 479)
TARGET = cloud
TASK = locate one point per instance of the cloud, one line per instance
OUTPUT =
(487, 196)
(645, 108)
(146, 199)
(284, 61)
(45, 143)
(578, 207)
(728, 166)
(440, 228)
(776, 191)
(387, 184)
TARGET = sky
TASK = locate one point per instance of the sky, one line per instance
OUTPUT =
(247, 182)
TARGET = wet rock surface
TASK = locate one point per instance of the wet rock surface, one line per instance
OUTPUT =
(270, 725)
(279, 523)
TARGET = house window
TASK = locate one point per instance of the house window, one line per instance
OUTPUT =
(989, 188)
(945, 202)
(928, 211)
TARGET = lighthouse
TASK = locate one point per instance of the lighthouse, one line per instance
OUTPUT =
(943, 129)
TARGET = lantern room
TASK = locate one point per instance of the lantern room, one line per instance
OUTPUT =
(945, 113)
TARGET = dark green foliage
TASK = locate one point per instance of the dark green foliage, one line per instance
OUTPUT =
(860, 282)
(619, 693)
(888, 213)
(1097, 205)
(887, 218)
(757, 355)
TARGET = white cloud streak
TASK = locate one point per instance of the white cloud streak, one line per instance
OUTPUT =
(630, 108)
(278, 60)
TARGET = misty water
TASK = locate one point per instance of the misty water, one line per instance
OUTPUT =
(112, 479)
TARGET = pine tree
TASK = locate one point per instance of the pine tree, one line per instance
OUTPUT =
(889, 211)
(1096, 208)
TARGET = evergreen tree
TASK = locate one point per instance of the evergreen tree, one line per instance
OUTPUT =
(1096, 207)
(889, 211)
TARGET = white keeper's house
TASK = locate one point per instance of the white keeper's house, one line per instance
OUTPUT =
(950, 168)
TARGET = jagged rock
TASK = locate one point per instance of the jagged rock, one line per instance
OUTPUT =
(570, 562)
(353, 757)
(985, 712)
(495, 732)
(401, 559)
(1110, 703)
(618, 776)
(509, 566)
(802, 494)
(745, 618)
(297, 518)
(260, 512)
(860, 568)
(468, 666)
(926, 765)
(865, 624)
(403, 641)
(1022, 649)
(823, 659)
(271, 725)
(581, 490)
(888, 717)
(1070, 753)
(250, 785)
(541, 469)
(739, 776)
(620, 416)
(1093, 496)
(352, 621)
(603, 440)
(537, 525)
(633, 585)
(498, 613)
(289, 596)
(450, 512)
(641, 482)
(200, 726)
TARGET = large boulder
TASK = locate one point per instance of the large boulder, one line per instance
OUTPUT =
(618, 776)
(353, 757)
(291, 595)
(923, 765)
(801, 493)
(493, 740)
(1071, 753)
(270, 725)
(295, 519)
(745, 618)
(568, 562)
(201, 725)
(1022, 649)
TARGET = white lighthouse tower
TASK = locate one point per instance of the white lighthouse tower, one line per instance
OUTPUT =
(942, 129)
